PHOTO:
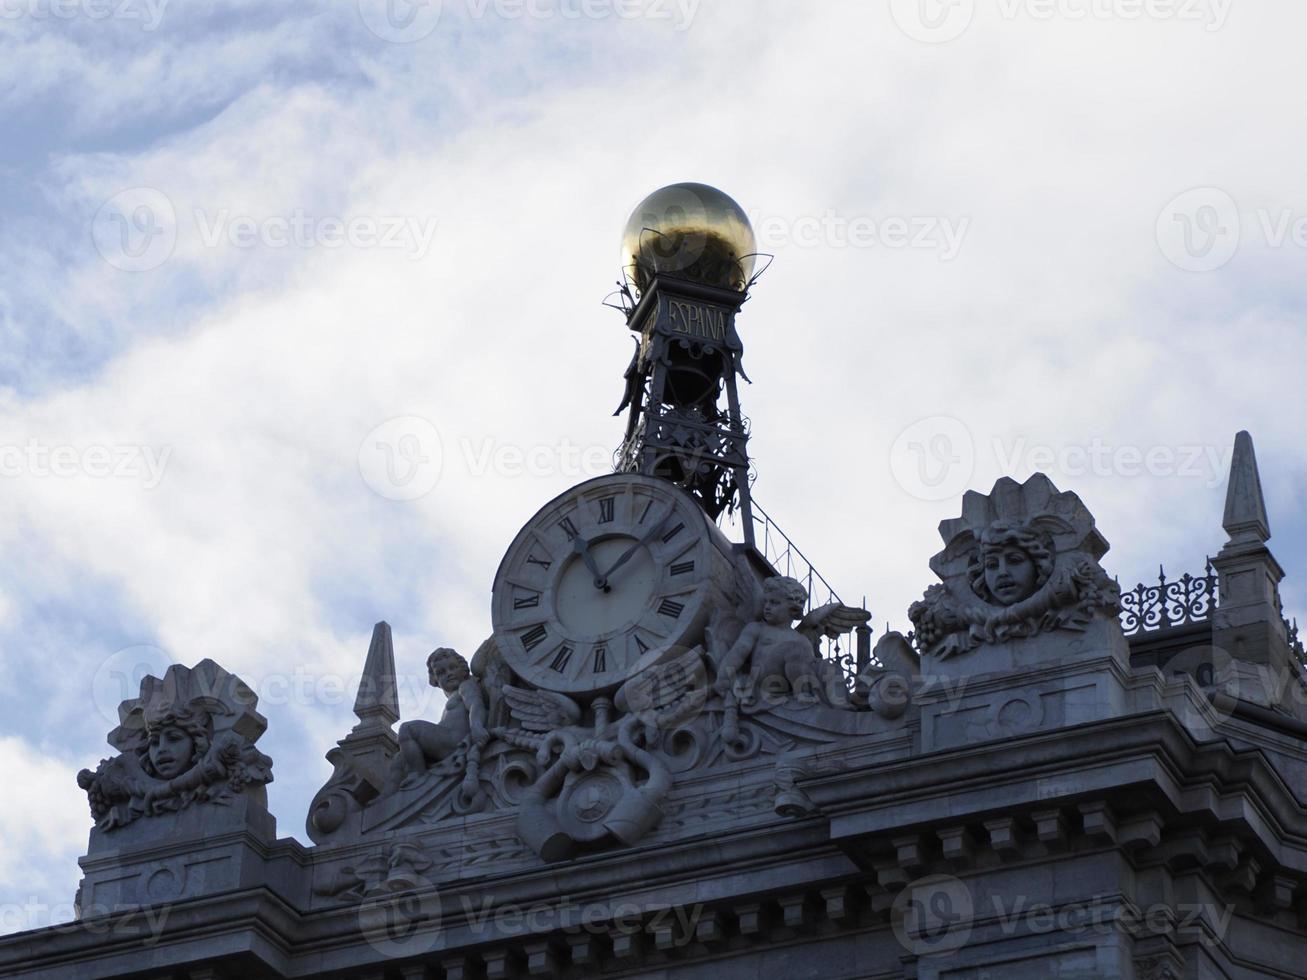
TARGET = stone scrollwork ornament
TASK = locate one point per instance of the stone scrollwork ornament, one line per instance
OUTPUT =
(603, 780)
(187, 739)
(1020, 562)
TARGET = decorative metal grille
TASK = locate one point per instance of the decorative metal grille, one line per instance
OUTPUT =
(1170, 603)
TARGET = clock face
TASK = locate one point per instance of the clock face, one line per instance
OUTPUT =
(615, 573)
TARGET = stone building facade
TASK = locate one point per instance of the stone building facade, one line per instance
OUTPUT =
(656, 766)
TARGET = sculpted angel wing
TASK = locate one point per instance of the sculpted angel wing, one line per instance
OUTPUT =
(541, 711)
(727, 622)
(667, 693)
(488, 664)
(831, 620)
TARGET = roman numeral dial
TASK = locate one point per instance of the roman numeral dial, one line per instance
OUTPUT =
(606, 579)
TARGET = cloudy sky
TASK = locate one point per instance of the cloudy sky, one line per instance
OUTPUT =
(255, 253)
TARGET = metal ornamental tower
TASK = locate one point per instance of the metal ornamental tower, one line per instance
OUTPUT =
(688, 256)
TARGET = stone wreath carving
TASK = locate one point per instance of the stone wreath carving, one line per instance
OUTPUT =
(187, 739)
(1020, 561)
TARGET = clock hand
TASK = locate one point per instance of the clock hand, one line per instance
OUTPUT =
(582, 548)
(627, 555)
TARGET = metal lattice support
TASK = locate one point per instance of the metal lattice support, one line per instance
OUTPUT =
(1170, 603)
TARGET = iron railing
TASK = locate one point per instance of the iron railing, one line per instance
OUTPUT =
(786, 557)
(1170, 603)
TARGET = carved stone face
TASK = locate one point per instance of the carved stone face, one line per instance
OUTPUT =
(778, 607)
(448, 674)
(775, 610)
(171, 750)
(1010, 574)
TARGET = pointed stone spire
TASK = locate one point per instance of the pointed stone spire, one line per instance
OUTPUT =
(377, 704)
(1247, 623)
(1245, 507)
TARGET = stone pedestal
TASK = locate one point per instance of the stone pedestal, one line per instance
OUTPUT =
(201, 850)
(957, 711)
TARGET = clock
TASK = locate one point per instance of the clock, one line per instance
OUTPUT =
(607, 579)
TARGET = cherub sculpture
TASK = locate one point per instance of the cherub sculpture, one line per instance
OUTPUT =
(770, 657)
(423, 744)
(188, 738)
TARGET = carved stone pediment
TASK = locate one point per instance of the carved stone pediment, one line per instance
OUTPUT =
(1021, 562)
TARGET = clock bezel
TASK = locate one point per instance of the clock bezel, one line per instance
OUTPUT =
(703, 587)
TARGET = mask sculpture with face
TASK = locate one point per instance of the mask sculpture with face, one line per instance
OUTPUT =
(170, 750)
(1010, 563)
(187, 739)
(1019, 561)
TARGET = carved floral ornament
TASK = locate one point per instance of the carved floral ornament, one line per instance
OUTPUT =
(187, 739)
(1020, 561)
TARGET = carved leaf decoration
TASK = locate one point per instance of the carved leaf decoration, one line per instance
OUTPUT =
(541, 711)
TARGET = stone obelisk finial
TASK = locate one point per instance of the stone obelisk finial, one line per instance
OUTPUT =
(1247, 623)
(362, 758)
(1245, 507)
(377, 704)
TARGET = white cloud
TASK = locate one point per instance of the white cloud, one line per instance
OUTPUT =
(43, 830)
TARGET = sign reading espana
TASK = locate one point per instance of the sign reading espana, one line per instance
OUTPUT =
(694, 319)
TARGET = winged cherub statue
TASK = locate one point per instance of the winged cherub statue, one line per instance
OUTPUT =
(772, 657)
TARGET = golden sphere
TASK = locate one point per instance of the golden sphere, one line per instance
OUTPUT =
(691, 231)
